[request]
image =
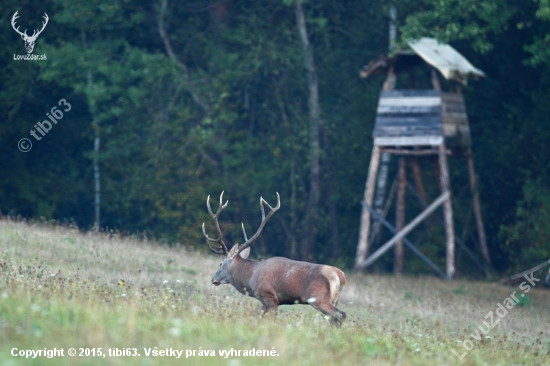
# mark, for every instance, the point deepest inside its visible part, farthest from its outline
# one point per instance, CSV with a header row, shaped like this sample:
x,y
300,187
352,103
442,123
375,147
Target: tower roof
x,y
448,61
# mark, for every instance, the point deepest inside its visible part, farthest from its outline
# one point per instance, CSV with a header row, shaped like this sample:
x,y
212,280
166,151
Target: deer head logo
x,y
29,41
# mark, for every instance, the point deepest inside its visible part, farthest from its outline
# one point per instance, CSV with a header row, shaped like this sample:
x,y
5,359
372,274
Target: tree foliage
x,y
194,98
528,239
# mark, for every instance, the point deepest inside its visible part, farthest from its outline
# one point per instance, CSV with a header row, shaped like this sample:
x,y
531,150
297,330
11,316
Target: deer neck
x,y
241,272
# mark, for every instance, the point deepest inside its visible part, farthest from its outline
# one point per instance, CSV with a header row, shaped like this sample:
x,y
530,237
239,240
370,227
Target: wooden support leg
x,y
447,212
418,179
437,171
477,208
405,240
362,245
417,176
373,235
381,182
390,79
435,80
407,229
457,240
400,214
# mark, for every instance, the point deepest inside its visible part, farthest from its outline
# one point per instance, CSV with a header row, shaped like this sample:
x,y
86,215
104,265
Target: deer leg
x,y
325,307
334,300
338,321
269,304
269,311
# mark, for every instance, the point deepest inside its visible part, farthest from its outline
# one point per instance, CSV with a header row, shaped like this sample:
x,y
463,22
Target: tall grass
x,y
60,288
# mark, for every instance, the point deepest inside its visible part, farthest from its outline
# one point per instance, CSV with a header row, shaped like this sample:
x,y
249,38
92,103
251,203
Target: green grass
x,y
525,301
60,288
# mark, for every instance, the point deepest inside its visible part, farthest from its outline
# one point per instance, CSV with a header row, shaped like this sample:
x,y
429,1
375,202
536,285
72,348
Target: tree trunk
x,y
331,193
314,126
199,99
292,251
97,145
389,84
97,183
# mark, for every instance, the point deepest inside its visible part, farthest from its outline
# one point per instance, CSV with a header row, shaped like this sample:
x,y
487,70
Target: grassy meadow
x,y
62,288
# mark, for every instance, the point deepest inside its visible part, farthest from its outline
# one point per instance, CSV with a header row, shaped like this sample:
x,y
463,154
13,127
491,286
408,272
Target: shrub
x,y
527,240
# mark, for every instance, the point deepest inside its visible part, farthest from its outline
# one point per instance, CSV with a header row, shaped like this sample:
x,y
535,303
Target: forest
x,y
167,102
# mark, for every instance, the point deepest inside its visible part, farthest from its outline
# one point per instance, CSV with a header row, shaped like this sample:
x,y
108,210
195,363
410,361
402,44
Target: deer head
x,y
29,40
218,246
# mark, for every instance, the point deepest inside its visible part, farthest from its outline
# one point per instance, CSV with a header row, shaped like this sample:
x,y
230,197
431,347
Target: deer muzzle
x,y
219,278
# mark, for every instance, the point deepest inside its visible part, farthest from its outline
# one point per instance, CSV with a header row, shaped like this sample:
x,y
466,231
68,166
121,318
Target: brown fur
x,y
281,281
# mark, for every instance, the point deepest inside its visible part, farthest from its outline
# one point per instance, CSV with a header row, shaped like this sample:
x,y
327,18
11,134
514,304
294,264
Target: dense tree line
x,y
175,101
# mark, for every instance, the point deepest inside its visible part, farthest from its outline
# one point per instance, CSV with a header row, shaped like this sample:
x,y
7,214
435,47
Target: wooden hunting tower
x,y
414,123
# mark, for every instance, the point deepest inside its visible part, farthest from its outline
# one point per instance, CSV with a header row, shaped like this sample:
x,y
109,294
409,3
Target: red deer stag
x,y
276,281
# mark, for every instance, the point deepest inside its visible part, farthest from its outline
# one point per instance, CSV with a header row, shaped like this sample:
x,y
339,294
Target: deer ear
x,y
234,251
244,254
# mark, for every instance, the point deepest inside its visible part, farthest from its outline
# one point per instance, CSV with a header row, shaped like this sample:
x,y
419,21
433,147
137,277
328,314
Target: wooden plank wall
x,y
409,113
455,121
421,117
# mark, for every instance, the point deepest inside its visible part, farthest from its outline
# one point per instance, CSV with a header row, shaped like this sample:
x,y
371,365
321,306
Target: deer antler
x,y
264,220
24,34
220,248
15,16
34,36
